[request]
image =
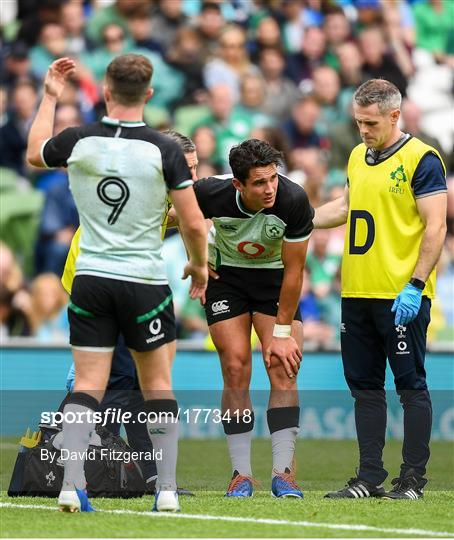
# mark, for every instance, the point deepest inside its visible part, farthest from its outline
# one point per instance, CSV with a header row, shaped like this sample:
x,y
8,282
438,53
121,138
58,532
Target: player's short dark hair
x,y
384,93
128,77
185,142
250,154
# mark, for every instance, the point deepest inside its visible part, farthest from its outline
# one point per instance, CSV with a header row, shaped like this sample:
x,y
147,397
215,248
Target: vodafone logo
x,y
251,249
155,326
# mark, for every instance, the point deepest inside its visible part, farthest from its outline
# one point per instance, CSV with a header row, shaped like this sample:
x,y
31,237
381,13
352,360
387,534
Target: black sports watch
x,y
418,283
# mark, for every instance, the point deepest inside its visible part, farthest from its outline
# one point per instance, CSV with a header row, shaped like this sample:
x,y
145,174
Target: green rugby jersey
x,y
119,175
245,239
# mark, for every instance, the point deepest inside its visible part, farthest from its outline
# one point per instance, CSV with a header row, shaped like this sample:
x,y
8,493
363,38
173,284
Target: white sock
x,y
283,448
76,438
164,437
240,452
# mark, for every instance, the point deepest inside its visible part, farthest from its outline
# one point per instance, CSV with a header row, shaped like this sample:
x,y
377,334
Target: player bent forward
x,y
261,226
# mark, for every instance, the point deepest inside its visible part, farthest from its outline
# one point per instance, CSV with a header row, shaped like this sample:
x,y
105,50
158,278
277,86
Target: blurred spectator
x,y
315,330
139,26
13,296
302,63
324,268
333,102
281,93
337,31
435,27
48,316
208,25
205,142
81,96
342,138
66,115
293,25
115,42
116,13
16,66
13,134
411,123
368,12
397,39
51,45
227,131
59,222
34,14
11,275
398,18
73,22
232,63
186,56
13,321
378,63
350,65
167,86
267,34
312,163
166,22
249,111
300,128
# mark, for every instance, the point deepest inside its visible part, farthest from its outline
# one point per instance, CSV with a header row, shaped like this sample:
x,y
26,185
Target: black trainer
x,y
357,489
408,486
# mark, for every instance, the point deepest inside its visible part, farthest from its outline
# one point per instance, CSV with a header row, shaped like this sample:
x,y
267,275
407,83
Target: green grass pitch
x,y
204,467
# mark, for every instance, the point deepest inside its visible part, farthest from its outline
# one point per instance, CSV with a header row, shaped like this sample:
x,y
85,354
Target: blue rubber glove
x,y
407,304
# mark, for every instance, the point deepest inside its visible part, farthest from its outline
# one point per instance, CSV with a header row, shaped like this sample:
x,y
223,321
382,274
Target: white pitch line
x,y
262,521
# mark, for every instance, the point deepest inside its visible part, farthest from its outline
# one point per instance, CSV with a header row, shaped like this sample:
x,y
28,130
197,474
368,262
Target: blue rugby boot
x,y
240,486
284,485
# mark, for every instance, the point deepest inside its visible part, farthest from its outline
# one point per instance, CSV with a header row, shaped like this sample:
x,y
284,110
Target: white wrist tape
x,y
282,330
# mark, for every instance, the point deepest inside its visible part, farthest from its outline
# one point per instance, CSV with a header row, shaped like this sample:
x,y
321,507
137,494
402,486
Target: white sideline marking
x,y
262,521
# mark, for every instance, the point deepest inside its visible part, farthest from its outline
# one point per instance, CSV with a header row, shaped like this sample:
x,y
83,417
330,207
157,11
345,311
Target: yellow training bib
x,y
384,228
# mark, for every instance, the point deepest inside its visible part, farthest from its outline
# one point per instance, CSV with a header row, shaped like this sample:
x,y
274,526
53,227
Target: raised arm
x,y
332,214
43,124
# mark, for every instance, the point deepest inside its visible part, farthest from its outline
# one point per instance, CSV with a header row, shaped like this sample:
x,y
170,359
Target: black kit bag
x,y
113,478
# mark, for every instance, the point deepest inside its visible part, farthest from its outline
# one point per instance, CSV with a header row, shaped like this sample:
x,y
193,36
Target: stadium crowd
x,y
283,71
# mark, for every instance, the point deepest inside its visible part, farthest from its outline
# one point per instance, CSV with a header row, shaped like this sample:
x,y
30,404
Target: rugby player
x,y
119,172
123,389
395,209
262,222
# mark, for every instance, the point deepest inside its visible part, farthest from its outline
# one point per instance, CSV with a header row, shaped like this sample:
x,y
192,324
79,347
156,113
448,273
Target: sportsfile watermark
x,y
114,415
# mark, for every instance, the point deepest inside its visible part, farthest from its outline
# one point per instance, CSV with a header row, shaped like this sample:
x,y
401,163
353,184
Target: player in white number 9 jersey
x,y
120,172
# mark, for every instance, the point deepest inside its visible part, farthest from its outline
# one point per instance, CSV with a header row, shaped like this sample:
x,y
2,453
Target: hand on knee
x,y
279,379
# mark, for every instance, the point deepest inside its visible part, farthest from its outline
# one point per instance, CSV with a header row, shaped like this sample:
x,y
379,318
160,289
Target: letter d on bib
x,y
356,215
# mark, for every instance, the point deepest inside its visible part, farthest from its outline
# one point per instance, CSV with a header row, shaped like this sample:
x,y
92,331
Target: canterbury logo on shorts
x,y
220,307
